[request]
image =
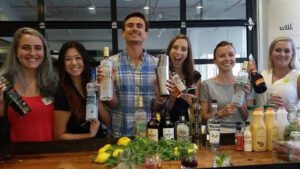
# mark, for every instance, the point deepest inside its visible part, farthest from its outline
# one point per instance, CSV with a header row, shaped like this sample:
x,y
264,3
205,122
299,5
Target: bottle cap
x,y
105,52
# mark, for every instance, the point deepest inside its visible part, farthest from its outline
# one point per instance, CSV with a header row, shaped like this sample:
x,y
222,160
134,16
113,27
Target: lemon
x,y
176,151
117,152
102,157
124,141
195,147
104,148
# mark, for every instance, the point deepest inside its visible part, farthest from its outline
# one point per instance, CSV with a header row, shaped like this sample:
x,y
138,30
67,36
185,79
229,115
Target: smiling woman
x,y
29,69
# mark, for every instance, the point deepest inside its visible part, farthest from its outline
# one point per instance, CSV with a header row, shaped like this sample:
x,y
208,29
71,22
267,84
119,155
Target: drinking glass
x,y
190,162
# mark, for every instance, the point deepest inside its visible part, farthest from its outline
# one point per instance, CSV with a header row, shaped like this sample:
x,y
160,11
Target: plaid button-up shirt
x,y
132,82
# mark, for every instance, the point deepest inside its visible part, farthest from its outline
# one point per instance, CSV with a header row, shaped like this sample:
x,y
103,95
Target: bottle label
x,y
247,142
214,133
238,95
260,138
259,81
168,133
178,82
182,132
153,134
239,142
140,123
91,106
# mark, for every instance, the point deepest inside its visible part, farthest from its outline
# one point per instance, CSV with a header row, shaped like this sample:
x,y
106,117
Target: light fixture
x,y
199,7
92,9
147,7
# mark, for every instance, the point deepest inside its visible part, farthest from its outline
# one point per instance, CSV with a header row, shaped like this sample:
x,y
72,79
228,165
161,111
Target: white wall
x,y
273,18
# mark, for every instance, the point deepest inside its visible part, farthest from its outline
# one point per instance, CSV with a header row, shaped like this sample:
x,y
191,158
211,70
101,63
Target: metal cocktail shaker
x,y
162,74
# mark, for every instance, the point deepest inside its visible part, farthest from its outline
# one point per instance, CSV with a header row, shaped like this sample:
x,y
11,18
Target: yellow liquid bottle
x,y
272,128
259,131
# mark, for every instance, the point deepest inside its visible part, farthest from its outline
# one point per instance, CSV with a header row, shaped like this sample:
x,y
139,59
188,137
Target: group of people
x,y
57,100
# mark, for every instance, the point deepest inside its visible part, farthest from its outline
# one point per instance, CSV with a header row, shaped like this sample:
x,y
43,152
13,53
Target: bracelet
x,y
159,102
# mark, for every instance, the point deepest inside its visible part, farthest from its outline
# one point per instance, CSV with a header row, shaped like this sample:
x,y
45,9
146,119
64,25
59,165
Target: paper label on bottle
x,y
260,140
182,132
259,81
140,123
153,134
214,133
168,133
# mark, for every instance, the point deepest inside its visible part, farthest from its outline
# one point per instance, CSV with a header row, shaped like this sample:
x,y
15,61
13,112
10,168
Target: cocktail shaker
x,y
162,74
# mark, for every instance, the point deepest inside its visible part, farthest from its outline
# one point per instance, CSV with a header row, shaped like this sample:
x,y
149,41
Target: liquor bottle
x,y
92,97
239,137
140,118
182,130
241,80
196,136
13,98
256,79
167,126
214,125
180,86
247,138
106,85
153,128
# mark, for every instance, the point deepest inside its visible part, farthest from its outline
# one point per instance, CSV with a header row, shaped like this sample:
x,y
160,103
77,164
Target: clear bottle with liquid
x,y
214,125
282,121
241,80
140,118
92,97
106,85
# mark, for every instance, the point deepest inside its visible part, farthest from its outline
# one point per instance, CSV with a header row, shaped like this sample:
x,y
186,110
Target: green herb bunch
x,y
140,147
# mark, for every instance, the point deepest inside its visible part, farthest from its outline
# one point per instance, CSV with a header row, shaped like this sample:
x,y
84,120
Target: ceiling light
x,y
92,9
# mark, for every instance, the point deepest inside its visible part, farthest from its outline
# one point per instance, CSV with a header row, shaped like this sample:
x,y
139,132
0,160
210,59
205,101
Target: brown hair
x,y
221,44
188,64
139,15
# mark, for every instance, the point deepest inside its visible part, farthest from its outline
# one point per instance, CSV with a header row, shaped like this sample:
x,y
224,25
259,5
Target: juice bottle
x,y
259,131
272,128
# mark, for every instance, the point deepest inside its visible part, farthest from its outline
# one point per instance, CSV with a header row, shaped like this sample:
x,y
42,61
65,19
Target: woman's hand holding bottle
x,y
94,127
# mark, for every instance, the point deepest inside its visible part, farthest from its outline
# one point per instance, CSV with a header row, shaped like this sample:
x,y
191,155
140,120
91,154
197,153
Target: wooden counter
x,y
82,159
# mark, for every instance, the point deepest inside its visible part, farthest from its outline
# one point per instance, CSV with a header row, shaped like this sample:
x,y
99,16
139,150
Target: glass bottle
x,y
196,136
92,97
167,126
106,85
241,80
153,128
13,98
182,130
214,125
239,137
180,86
256,79
247,138
140,118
